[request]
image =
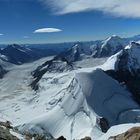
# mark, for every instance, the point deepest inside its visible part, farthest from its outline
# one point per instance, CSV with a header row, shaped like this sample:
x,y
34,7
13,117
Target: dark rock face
x,y
61,138
5,134
103,123
129,59
57,64
2,72
131,81
86,138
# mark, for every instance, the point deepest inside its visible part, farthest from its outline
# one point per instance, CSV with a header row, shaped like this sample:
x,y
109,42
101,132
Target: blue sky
x,y
51,21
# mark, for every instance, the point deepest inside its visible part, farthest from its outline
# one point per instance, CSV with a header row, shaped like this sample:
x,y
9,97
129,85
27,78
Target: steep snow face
x,y
109,47
107,98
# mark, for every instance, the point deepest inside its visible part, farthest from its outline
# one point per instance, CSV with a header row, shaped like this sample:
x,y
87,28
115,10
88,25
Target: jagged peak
x,y
132,45
76,46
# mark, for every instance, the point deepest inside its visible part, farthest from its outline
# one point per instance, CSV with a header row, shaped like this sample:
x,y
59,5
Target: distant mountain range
x,y
19,54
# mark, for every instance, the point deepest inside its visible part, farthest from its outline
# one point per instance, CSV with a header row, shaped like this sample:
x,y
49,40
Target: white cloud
x,y
47,30
1,34
124,8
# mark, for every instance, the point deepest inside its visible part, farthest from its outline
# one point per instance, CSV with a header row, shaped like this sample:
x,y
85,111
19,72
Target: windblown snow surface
x,y
66,104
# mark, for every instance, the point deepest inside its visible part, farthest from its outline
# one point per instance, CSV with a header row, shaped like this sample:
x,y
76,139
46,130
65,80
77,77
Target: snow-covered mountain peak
x,y
110,46
127,59
74,53
113,42
113,38
76,48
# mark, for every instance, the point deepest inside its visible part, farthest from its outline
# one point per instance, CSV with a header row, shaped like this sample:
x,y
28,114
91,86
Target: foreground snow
x,y
66,103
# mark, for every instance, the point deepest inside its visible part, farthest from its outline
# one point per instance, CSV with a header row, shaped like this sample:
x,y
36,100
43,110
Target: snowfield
x,y
67,103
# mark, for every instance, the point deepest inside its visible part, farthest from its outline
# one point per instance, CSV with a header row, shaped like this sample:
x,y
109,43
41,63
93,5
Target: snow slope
x,y
66,109
67,103
59,107
106,97
72,102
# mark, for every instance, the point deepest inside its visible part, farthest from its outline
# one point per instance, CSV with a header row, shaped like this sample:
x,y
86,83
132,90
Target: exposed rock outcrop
x,y
131,134
57,64
86,138
2,71
5,133
61,138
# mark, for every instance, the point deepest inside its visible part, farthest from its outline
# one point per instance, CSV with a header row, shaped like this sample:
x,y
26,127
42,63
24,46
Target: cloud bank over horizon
x,y
119,8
